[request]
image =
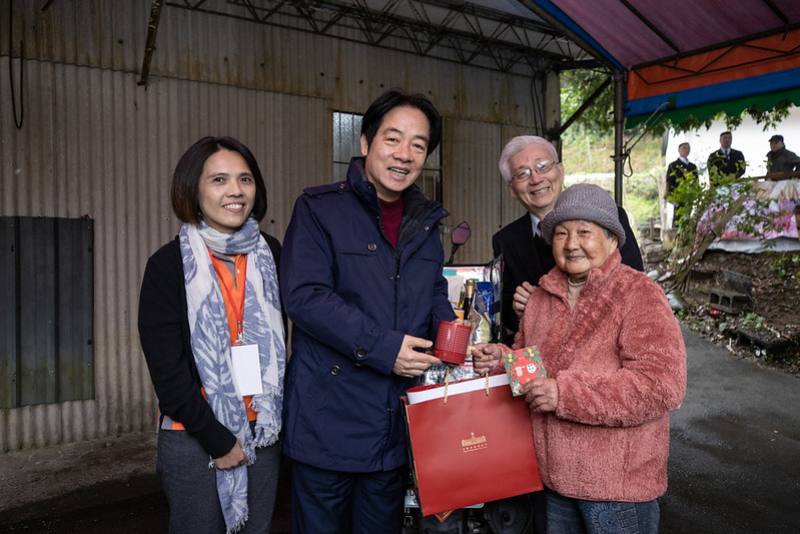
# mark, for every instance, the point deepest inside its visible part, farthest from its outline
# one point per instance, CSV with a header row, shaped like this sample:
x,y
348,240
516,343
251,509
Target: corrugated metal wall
x,y
95,143
110,34
473,189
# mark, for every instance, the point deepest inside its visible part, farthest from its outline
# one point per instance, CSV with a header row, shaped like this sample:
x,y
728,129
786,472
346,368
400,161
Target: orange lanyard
x,y
238,310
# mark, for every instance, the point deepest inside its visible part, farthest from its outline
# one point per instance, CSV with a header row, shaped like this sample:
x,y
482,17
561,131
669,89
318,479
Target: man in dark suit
x,y
726,161
679,170
530,167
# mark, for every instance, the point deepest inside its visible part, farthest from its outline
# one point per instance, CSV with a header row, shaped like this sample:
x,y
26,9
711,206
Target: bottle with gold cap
x,y
469,296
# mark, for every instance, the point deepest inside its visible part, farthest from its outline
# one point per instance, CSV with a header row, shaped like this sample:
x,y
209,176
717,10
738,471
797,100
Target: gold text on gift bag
x,y
474,443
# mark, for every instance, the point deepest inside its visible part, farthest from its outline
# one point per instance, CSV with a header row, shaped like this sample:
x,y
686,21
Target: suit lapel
x,y
524,246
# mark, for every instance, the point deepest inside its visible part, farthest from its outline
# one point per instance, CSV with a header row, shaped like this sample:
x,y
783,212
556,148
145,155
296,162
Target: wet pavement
x,y
134,506
146,512
735,449
734,464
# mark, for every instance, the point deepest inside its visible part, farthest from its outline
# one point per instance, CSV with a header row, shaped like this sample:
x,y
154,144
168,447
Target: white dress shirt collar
x,y
535,224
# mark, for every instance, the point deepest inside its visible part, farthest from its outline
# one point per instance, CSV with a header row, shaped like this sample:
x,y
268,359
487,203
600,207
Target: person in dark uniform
x,y
534,176
779,159
726,161
679,170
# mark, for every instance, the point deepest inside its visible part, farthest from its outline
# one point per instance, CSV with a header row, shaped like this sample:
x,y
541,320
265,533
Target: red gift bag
x,y
471,442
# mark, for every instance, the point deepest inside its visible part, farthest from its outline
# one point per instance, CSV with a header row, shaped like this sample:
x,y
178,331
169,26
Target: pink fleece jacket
x,y
620,363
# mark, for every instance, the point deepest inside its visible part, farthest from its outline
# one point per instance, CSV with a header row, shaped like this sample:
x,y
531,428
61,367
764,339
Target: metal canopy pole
x,y
150,44
619,126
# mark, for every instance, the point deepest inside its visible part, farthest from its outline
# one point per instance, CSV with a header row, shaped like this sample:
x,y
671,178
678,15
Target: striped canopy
x,y
692,58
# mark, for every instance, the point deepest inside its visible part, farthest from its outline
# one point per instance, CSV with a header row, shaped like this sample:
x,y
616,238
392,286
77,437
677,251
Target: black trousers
x,y
335,502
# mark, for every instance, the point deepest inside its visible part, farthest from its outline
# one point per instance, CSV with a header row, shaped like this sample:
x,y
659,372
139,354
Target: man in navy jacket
x,y
362,281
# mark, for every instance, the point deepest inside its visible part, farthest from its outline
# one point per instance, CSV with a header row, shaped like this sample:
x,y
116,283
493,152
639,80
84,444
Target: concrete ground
x,y
38,475
101,486
41,487
735,449
734,464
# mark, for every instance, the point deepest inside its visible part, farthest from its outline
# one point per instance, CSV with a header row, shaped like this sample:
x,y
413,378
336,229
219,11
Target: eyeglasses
x,y
541,167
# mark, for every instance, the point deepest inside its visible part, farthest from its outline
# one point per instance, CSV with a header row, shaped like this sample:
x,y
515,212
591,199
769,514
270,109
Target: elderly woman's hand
x,y
485,357
521,296
541,394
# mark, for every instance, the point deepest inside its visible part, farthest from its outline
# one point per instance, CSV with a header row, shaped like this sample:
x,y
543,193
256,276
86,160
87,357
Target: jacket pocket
x,y
359,271
325,379
367,248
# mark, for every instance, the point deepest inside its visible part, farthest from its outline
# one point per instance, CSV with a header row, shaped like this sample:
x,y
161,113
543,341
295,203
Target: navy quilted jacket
x,y
352,297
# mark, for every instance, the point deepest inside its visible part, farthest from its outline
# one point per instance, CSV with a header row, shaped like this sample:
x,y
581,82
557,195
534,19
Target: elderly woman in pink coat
x,y
616,366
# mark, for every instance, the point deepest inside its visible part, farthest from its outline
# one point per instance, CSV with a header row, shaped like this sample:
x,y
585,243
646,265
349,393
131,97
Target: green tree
x,y
576,86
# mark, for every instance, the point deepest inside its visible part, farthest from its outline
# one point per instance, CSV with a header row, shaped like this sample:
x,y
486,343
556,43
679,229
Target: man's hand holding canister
x,y
411,362
486,357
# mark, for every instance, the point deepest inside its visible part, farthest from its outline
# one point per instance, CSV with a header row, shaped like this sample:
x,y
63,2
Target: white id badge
x,y
247,369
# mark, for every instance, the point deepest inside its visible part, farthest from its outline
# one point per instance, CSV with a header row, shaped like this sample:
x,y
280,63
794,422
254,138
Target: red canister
x,y
452,340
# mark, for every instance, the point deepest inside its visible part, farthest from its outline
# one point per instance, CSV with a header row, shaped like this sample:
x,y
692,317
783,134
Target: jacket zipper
x,y
396,280
396,284
396,275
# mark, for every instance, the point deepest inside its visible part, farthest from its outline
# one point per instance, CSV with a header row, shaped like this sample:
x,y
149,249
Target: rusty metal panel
x,y
472,188
511,209
47,317
8,312
102,33
212,48
74,327
37,311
